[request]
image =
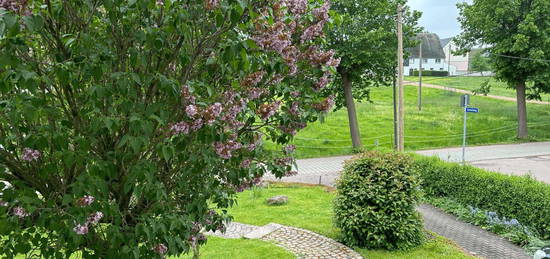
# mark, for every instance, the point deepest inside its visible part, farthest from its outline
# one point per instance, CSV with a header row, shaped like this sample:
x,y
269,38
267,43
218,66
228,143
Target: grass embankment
x,y
311,208
472,83
439,124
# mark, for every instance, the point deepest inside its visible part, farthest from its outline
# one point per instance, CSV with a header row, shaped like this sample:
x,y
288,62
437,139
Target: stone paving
x,y
306,244
475,240
234,230
303,243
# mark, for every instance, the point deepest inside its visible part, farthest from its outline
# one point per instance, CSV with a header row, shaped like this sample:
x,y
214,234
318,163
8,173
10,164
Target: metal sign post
x,y
464,101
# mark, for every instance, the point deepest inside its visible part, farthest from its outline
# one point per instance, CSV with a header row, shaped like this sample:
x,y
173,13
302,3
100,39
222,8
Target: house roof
x,y
431,46
445,41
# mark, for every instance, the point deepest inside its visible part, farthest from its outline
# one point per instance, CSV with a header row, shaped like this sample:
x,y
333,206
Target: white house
x,y
461,63
433,56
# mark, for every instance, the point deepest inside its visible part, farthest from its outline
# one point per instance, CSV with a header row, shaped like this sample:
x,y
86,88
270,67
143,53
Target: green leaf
x,y
34,23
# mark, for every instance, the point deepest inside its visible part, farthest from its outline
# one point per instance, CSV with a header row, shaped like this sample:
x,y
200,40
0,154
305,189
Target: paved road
x,y
518,159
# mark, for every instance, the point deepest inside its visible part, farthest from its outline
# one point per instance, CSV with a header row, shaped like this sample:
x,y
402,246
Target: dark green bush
x,y
430,73
375,202
519,197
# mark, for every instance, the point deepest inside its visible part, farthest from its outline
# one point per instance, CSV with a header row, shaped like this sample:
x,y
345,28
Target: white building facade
x,y
461,63
433,56
432,64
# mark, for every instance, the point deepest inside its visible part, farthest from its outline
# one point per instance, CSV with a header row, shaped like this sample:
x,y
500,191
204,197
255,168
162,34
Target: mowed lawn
x,y
311,208
472,83
439,124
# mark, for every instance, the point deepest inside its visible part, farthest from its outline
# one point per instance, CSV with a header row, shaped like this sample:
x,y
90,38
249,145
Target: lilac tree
x,y
126,127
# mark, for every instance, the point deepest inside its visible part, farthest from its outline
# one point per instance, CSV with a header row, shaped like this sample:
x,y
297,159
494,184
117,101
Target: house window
x,y
441,68
412,61
437,60
425,60
431,68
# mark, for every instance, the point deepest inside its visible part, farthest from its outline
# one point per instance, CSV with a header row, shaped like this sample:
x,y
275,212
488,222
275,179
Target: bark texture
x,y
522,111
352,114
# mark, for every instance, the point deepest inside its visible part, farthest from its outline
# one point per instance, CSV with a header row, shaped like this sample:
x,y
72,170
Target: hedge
x,y
430,73
520,197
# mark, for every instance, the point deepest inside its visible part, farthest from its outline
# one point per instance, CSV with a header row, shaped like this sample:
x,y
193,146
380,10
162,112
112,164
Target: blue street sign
x,y
474,110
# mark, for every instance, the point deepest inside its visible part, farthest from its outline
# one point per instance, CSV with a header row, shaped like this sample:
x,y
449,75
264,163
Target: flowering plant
x,y
123,124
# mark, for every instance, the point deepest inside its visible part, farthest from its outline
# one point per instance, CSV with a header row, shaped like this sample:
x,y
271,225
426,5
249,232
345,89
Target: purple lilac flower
x,y
191,110
323,81
20,212
81,229
180,128
295,93
160,249
267,110
313,31
251,147
297,7
255,93
224,150
290,149
14,5
253,79
31,154
246,163
94,218
321,13
212,113
86,200
187,97
294,109
325,105
197,124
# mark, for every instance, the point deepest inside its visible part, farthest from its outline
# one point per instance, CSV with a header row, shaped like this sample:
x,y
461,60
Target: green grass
x,y
311,208
472,83
439,124
240,249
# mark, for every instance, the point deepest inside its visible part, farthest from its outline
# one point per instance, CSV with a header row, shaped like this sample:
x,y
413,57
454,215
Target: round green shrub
x,y
375,202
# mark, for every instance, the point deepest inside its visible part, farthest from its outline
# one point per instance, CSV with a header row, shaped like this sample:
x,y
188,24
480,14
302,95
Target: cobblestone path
x,y
306,244
303,243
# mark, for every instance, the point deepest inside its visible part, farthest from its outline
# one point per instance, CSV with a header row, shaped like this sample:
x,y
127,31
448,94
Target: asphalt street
x,y
517,159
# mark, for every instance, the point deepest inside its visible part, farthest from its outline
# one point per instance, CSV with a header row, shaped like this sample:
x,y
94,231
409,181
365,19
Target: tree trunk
x,y
522,111
352,114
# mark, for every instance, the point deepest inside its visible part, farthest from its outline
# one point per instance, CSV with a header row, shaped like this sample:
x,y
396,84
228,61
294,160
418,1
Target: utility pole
x,y
449,60
395,111
401,92
465,101
420,80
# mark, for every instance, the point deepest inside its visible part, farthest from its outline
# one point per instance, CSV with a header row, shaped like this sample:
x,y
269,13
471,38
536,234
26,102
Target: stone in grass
x,y
277,200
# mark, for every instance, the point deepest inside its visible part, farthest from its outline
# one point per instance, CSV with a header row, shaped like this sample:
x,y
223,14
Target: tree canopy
x,y
127,127
516,34
365,39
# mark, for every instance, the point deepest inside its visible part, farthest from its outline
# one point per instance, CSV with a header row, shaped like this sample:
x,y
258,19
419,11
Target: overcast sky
x,y
438,16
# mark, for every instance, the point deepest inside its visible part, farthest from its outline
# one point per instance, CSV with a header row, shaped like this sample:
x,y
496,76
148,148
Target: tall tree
x,y
365,39
128,127
517,34
479,63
